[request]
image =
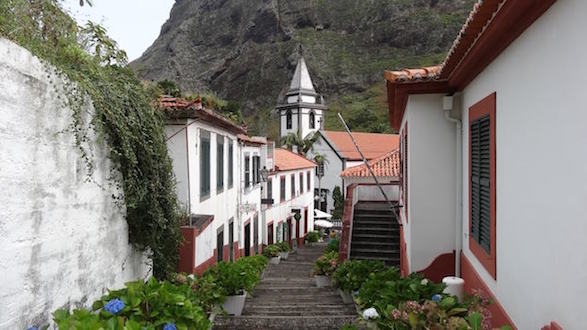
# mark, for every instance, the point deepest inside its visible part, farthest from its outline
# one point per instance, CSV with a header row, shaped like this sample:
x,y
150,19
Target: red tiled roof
x,y
371,144
255,140
491,26
286,160
179,108
387,165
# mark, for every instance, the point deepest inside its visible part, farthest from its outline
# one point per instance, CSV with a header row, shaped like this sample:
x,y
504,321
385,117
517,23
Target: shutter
x,y
480,182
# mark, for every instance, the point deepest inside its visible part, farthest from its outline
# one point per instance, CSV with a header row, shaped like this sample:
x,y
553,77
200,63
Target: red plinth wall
x,y
187,251
347,218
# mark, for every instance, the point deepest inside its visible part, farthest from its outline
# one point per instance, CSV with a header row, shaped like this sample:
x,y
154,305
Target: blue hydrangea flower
x,y
436,298
32,328
114,306
169,326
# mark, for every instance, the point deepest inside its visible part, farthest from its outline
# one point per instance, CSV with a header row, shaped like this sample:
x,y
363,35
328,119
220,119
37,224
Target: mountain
x,y
246,51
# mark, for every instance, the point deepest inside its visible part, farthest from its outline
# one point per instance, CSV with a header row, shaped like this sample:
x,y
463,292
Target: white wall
x,y
281,211
178,152
431,223
252,198
332,169
64,240
541,193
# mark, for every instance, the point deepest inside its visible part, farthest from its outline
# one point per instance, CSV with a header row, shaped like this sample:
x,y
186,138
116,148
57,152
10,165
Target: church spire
x,y
301,80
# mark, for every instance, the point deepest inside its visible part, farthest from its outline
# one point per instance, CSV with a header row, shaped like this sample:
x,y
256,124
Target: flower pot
x,y
274,260
234,305
284,255
347,297
322,280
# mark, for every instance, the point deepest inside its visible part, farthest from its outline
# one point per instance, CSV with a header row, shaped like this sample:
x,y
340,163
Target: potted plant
x,y
283,250
351,274
272,253
235,279
312,237
324,266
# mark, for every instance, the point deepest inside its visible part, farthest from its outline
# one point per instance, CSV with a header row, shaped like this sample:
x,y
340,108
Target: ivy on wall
x,y
124,117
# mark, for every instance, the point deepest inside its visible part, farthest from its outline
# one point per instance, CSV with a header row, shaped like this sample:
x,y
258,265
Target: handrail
x,y
392,207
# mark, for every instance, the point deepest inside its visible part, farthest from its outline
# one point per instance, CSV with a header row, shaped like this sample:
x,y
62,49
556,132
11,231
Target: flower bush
x,y
283,247
351,274
313,236
237,277
271,251
326,264
151,305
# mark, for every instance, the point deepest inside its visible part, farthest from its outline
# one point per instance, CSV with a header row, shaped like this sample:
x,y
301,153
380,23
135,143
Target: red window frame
x,y
404,168
483,108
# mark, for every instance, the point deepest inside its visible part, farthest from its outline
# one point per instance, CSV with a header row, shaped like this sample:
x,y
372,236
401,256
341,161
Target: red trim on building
x,y
187,250
226,253
404,263
344,246
201,268
488,260
236,250
440,267
473,281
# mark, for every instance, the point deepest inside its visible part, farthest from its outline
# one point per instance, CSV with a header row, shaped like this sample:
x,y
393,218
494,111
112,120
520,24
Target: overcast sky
x,y
134,24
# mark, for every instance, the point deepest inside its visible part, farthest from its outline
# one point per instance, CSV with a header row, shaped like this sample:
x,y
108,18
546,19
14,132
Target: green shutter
x,y
480,182
204,165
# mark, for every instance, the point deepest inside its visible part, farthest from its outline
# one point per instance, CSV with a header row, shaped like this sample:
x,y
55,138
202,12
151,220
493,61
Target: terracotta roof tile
x,y
421,74
286,160
387,165
256,140
371,144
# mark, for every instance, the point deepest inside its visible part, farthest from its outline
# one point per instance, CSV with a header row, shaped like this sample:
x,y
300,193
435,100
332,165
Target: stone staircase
x,y
375,233
287,298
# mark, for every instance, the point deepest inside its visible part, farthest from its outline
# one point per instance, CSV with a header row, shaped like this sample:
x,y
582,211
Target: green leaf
x,y
475,320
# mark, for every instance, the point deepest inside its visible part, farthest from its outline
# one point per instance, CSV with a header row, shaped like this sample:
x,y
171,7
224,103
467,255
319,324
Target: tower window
x,y
312,120
288,119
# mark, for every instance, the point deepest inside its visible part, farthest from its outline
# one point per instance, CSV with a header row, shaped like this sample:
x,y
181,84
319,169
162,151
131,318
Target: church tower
x,y
302,110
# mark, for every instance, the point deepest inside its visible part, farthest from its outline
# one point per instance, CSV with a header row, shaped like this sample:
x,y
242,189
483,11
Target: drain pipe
x,y
447,106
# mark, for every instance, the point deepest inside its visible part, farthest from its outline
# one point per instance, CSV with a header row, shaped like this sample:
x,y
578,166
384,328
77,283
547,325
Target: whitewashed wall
x,y
541,117
63,240
332,169
430,230
251,197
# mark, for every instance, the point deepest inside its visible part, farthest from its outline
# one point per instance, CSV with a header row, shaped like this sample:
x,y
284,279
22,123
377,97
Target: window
x,y
247,172
293,185
312,120
220,244
219,163
282,188
269,188
301,183
256,164
288,120
482,182
230,164
308,180
204,164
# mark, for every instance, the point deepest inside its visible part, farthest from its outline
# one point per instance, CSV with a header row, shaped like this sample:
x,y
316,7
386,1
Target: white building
x,y
217,172
494,173
289,190
340,154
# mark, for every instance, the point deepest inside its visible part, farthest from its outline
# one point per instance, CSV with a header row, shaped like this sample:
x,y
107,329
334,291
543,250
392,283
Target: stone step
x,y
298,310
258,322
299,299
291,290
373,223
387,261
374,237
378,245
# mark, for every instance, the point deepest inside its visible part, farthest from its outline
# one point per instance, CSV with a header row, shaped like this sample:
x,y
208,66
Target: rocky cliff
x,y
246,50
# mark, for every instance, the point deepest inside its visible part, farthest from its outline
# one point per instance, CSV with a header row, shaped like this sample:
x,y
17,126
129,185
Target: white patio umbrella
x,y
323,223
321,215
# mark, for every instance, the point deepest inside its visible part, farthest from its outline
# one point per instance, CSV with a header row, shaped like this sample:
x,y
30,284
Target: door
x,y
270,234
248,240
220,245
305,221
231,241
289,231
298,232
256,234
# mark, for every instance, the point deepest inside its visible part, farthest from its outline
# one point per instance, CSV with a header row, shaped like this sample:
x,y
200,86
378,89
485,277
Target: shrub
x,y
254,264
283,247
351,274
233,278
205,288
271,251
332,246
313,236
139,305
326,264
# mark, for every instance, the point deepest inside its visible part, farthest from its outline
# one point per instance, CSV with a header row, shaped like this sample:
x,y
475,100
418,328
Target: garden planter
x,y
322,281
274,260
347,297
234,305
284,255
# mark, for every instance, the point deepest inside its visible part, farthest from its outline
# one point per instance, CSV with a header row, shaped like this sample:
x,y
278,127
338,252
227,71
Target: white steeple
x,y
301,79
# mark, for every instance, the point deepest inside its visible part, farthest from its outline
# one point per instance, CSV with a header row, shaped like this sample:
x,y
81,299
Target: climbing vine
x,y
124,118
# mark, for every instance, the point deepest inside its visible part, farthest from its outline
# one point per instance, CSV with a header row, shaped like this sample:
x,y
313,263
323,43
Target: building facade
x,y
502,123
